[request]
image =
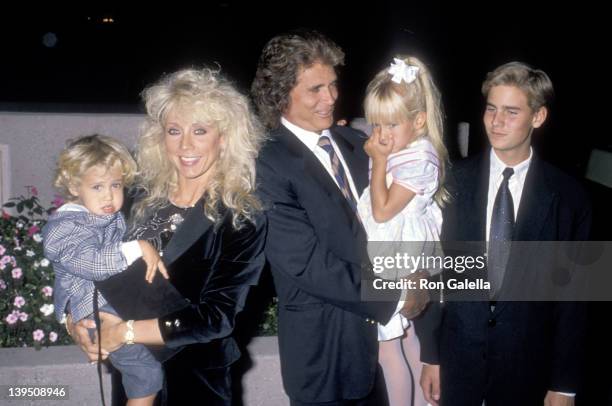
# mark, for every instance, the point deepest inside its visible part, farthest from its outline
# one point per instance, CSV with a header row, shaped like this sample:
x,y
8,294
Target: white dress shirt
x,y
311,140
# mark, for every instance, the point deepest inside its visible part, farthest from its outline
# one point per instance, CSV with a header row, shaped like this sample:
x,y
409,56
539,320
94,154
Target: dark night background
x,y
96,66
102,67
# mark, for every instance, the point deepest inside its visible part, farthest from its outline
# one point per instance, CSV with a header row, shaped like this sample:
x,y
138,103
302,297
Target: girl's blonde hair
x,y
214,101
86,152
389,102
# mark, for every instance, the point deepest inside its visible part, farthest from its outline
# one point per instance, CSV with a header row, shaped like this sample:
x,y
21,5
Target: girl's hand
x,y
378,147
113,331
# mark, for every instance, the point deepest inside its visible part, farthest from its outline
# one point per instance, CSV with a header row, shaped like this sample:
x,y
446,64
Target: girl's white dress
x,y
415,168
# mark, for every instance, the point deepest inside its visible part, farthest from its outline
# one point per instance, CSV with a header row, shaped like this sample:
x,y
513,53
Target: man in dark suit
x,y
496,350
310,175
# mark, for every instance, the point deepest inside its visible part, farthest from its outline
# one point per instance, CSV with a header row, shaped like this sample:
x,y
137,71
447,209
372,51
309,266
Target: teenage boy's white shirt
x,y
130,250
311,140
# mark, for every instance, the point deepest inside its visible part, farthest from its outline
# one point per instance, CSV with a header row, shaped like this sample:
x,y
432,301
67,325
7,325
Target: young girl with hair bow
x,y
402,203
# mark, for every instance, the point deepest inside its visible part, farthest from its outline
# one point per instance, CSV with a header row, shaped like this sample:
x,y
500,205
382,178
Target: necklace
x,y
180,206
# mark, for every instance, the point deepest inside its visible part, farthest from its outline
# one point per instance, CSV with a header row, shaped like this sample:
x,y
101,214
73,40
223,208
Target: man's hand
x,y
80,336
557,399
416,299
153,261
430,383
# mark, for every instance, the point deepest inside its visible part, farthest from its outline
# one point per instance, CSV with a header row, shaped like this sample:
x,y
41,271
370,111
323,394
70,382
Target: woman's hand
x,y
80,335
113,331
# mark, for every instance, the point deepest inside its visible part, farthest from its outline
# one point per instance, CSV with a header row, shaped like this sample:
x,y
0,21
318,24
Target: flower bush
x,y
269,324
26,277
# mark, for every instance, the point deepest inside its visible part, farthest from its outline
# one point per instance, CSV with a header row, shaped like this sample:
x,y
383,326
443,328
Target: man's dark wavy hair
x,y
279,65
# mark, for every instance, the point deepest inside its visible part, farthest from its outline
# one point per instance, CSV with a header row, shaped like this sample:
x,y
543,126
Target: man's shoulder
x,y
352,135
467,166
272,149
566,185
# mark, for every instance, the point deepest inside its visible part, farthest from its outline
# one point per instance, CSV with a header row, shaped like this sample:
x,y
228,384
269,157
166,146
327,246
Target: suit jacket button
x,y
492,322
168,323
177,323
368,320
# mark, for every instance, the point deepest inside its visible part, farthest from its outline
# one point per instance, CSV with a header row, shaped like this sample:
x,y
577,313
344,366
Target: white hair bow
x,y
401,71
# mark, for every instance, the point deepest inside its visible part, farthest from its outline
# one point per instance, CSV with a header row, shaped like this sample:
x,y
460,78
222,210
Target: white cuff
x,y
571,395
131,251
401,302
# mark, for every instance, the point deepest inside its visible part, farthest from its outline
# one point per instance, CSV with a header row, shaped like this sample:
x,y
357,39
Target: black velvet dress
x,y
213,266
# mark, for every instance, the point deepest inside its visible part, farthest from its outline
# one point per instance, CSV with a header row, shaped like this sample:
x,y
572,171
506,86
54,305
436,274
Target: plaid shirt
x,y
83,248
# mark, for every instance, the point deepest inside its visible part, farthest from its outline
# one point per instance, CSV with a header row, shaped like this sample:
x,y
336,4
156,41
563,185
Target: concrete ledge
x,y
66,365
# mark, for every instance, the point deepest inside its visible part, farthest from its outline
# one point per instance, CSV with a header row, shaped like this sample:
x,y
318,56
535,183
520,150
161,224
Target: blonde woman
x,y
196,157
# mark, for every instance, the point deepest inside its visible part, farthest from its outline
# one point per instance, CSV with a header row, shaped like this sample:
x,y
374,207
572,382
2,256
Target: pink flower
x,y
5,259
53,336
38,335
33,230
19,301
5,215
57,201
47,291
23,316
17,273
32,190
2,249
11,318
2,284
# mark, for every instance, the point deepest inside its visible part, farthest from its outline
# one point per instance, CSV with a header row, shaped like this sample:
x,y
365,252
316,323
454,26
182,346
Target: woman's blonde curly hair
x,y
214,101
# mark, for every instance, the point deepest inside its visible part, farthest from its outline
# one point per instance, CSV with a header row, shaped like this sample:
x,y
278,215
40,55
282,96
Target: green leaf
x,y
9,204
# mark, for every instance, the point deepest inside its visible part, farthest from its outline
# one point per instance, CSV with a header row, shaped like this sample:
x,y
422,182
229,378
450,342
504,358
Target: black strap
x,y
99,330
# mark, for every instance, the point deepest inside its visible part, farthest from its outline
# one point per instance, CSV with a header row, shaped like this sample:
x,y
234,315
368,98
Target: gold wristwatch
x,y
129,333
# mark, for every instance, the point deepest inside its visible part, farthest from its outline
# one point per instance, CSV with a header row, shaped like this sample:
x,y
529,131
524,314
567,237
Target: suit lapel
x,y
360,177
312,166
535,202
190,230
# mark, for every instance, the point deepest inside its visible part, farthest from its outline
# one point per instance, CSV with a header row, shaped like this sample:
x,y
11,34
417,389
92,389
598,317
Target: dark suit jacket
x,y
516,353
316,247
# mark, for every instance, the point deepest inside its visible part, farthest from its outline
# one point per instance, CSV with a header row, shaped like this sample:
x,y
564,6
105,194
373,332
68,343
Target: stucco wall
x,y
35,140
